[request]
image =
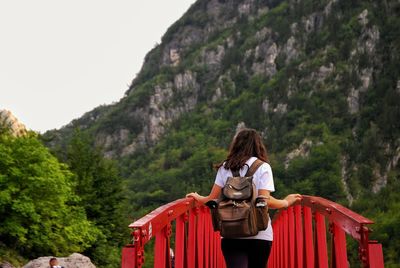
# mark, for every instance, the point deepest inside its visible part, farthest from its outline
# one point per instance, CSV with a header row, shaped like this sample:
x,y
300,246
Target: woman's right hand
x,y
194,195
215,193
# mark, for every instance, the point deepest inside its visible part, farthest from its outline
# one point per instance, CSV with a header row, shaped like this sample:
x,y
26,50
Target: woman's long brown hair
x,y
245,144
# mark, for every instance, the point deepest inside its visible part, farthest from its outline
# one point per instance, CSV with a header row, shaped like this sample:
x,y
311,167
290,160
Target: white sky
x,y
62,58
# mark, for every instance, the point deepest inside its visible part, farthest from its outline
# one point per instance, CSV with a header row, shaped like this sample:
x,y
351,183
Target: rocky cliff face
x,y
304,52
166,99
10,122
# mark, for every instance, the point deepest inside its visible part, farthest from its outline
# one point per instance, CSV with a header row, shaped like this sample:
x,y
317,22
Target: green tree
x,y
100,188
39,214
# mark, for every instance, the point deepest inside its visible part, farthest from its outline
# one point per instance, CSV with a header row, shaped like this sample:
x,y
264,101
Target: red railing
x,y
300,237
196,244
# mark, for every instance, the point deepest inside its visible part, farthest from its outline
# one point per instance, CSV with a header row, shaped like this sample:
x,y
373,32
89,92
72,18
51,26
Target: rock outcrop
x,y
75,260
9,121
6,265
302,151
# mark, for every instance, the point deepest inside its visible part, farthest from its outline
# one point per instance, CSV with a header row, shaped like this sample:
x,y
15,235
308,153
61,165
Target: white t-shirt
x,y
262,179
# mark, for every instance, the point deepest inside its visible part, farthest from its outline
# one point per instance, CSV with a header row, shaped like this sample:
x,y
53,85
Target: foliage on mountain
x,y
318,79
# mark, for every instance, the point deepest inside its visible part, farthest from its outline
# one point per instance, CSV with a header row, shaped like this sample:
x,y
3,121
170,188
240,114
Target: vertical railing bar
x,y
207,244
308,238
282,242
200,238
277,248
168,232
212,247
271,259
128,257
160,249
320,238
180,242
339,252
299,236
375,255
191,252
285,249
277,236
291,237
216,252
363,246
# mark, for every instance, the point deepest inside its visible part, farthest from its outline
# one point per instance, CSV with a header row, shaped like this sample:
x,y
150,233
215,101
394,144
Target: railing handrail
x,y
351,222
322,204
159,218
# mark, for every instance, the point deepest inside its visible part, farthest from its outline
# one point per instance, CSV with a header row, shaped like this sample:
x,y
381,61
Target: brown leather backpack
x,y
238,212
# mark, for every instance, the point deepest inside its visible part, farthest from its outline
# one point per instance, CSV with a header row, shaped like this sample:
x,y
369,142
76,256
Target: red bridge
x,y
300,237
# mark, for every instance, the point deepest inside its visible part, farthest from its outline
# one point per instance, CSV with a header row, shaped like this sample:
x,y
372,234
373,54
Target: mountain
x,y
10,122
319,79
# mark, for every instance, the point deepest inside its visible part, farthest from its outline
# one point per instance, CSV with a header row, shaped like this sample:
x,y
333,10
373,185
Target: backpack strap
x,y
256,164
236,173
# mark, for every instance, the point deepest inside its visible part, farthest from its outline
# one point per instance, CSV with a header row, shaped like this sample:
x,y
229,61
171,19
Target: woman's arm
x,y
272,202
279,203
214,194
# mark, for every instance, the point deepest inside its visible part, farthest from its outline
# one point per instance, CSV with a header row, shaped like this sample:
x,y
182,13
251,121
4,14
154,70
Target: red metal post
x,y
207,241
320,238
200,238
285,231
191,252
278,238
308,238
291,235
215,245
162,256
339,256
375,255
272,257
363,246
212,247
282,253
128,257
279,249
180,241
299,237
272,261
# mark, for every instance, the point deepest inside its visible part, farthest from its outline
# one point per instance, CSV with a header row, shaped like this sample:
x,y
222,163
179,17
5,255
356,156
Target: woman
x,y
245,148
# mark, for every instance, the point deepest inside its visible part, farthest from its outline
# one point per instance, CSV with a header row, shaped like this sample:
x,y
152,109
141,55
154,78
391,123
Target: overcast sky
x,y
62,58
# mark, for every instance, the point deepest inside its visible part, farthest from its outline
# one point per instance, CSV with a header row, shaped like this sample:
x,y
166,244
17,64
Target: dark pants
x,y
246,253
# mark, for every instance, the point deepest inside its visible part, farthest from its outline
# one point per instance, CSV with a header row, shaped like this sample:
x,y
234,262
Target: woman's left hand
x,y
293,198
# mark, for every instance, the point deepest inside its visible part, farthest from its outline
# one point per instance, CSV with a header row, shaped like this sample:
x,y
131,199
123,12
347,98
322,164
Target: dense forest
x,y
54,208
320,80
